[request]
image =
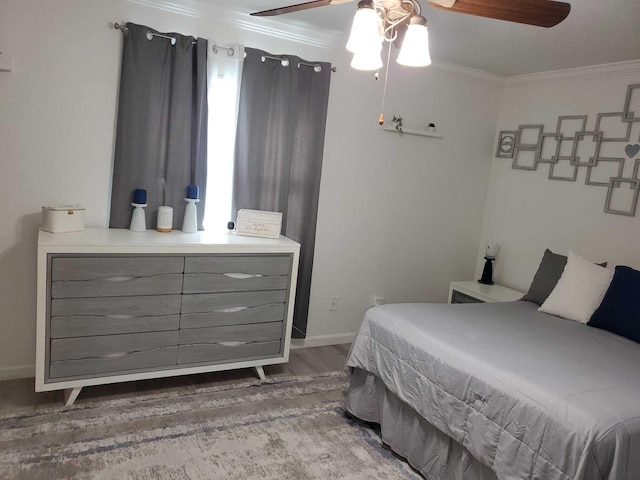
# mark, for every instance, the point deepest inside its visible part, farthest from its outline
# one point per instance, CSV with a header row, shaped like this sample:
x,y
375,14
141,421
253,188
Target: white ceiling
x,y
595,32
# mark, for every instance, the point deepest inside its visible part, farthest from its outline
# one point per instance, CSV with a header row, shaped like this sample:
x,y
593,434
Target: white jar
x,y
165,219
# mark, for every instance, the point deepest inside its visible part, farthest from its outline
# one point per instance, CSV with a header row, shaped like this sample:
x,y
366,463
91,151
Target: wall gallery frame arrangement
x,y
610,151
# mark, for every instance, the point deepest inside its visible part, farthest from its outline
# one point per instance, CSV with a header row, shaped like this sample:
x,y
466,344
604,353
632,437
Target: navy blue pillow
x,y
619,311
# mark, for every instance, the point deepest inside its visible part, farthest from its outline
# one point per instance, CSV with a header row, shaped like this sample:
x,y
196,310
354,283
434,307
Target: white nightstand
x,y
474,292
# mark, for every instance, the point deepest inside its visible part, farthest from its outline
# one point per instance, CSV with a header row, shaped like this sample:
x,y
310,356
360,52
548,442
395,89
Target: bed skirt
x,y
434,454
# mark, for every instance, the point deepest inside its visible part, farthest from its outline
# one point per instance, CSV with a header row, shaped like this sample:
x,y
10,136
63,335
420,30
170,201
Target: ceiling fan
x,y
542,13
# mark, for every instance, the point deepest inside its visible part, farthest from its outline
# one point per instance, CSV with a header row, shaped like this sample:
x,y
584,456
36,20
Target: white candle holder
x,y
190,222
138,220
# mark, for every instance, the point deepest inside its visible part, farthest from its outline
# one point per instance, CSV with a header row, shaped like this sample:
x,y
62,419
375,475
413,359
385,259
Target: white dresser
x,y
115,305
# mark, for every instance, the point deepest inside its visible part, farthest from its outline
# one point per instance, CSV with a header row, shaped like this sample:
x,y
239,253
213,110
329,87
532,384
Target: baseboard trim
x,y
322,340
14,373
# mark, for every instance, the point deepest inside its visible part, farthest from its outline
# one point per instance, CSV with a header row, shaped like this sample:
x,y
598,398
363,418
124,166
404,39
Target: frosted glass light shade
x,y
415,47
364,29
493,248
368,58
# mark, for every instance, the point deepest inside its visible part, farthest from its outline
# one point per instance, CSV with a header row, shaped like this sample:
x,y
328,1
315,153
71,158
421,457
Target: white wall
x,y
528,212
399,216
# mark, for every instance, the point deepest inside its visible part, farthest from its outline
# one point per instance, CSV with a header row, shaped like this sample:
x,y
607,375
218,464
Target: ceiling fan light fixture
x,y
368,58
415,46
365,28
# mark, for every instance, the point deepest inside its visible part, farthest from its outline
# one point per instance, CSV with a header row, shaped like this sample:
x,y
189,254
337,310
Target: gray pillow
x,y
547,276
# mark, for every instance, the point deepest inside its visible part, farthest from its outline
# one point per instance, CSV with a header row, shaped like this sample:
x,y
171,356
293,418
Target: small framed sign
x,y
506,143
259,223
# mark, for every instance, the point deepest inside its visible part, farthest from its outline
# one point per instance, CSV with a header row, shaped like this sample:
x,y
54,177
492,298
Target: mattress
x,y
528,394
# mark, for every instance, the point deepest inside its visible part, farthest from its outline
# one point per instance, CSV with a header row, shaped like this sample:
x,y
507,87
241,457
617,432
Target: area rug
x,y
286,428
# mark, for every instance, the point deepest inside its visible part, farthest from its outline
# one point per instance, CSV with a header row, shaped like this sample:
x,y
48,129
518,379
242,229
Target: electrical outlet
x,y
377,301
333,304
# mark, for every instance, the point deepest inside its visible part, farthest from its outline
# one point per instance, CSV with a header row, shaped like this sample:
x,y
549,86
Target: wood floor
x,y
20,396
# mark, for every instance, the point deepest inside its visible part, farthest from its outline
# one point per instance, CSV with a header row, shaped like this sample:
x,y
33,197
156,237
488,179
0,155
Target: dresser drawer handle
x,y
235,343
231,309
119,316
120,278
240,276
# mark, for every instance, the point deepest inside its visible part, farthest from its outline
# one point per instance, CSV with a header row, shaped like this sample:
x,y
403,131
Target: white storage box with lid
x,y
63,218
259,223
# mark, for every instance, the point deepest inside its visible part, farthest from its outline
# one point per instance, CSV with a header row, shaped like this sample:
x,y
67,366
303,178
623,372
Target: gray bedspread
x,y
528,394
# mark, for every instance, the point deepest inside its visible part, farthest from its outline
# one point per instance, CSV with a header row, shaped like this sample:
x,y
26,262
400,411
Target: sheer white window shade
x,y
224,64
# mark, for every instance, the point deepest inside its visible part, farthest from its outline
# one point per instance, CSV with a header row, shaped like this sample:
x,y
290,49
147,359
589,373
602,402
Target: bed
x,y
498,390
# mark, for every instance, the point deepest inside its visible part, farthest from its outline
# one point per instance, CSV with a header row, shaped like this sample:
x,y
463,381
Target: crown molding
x,y
572,74
241,20
182,8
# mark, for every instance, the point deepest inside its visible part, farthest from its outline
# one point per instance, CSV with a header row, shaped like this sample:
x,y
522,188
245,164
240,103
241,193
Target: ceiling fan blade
x,y
542,13
297,7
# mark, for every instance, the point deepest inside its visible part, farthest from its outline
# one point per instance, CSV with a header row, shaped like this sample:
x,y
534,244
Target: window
x,y
223,80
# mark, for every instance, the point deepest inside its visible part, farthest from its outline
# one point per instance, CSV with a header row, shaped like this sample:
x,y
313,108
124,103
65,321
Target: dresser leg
x,y
70,395
260,372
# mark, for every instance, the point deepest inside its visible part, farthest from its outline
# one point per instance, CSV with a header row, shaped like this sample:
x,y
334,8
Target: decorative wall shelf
x,y
6,65
412,131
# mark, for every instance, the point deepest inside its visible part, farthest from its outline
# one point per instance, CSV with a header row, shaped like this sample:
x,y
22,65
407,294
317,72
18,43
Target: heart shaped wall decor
x,y
632,150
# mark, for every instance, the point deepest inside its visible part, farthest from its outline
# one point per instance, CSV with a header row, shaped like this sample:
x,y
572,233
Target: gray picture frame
x,y
536,157
620,162
567,138
575,160
572,178
627,115
616,182
564,118
553,158
522,128
501,151
527,147
599,118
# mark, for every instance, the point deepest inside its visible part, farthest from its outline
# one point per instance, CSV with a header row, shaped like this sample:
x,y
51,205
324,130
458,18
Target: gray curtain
x,y
279,145
161,139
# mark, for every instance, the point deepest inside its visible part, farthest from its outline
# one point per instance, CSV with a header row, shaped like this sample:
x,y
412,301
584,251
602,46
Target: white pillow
x,y
579,291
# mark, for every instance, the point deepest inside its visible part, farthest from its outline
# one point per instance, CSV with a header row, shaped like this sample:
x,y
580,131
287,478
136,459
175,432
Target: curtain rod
x,y
150,34
284,61
230,51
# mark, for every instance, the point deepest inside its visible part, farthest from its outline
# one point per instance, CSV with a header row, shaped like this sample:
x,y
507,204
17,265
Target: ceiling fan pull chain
x,y
384,92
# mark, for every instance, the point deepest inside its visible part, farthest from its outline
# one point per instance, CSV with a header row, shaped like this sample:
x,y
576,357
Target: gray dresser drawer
x,y
212,354
109,345
115,276
81,317
259,332
252,264
152,359
112,353
225,273
227,343
235,308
